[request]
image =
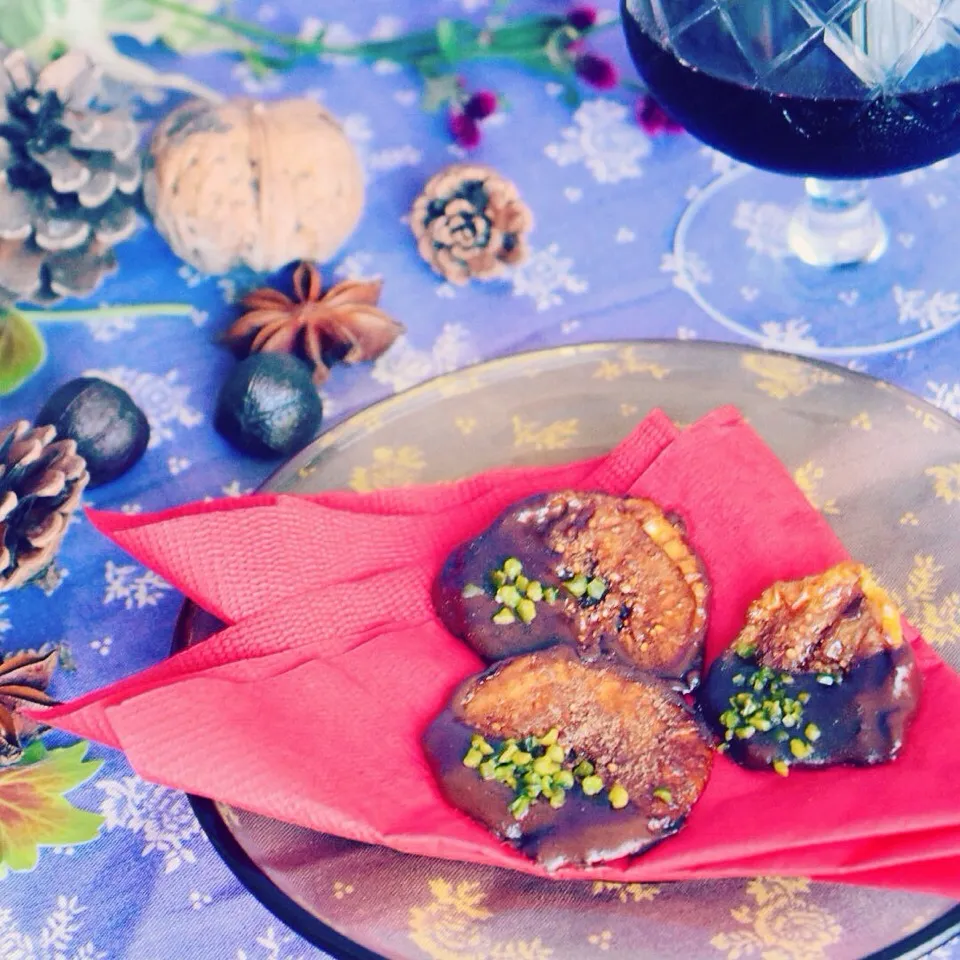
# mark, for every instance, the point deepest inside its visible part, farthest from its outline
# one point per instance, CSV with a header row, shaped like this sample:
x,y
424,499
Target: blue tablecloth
x,y
606,199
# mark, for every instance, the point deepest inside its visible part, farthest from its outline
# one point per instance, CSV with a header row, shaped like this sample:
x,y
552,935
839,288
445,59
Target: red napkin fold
x,y
309,707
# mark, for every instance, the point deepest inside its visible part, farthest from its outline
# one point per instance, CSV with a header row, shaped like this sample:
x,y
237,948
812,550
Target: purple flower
x,y
481,105
464,130
582,17
596,70
653,118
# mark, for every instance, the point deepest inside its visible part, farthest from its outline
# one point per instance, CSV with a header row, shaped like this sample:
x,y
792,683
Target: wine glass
x,y
836,92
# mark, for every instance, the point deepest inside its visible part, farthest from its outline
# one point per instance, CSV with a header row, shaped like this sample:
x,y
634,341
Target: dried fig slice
x,y
572,762
605,574
820,674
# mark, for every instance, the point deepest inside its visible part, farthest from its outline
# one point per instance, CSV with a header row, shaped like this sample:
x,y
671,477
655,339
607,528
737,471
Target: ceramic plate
x,y
883,466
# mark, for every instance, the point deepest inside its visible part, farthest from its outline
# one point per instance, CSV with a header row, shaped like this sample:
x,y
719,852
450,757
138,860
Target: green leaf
x,y
22,350
447,39
33,811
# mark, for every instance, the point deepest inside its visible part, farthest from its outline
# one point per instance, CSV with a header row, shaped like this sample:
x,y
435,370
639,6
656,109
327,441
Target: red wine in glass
x,y
824,89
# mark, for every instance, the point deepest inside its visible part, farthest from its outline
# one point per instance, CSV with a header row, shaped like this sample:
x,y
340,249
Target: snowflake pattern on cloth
x,y
56,939
160,816
545,277
605,139
132,586
404,365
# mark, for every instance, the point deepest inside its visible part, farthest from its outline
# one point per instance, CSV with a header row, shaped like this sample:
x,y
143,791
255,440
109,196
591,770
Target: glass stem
x,y
837,225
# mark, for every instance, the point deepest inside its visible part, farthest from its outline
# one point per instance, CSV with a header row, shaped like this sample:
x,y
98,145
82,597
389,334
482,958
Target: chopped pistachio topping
x,y
517,594
536,768
479,743
618,796
745,650
597,588
556,753
782,767
799,748
508,595
577,585
812,732
591,785
550,737
827,679
662,793
526,610
471,590
764,706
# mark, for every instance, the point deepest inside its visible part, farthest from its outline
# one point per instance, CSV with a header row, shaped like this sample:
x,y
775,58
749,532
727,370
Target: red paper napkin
x,y
310,706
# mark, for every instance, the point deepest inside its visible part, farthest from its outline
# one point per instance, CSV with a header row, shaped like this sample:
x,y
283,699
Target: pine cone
x,y
470,222
41,480
24,678
69,177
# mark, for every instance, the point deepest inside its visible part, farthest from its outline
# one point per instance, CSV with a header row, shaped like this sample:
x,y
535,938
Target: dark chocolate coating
x,y
584,830
522,533
862,719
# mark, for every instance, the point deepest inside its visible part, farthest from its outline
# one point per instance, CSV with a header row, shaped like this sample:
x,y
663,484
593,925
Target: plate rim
x,y
253,878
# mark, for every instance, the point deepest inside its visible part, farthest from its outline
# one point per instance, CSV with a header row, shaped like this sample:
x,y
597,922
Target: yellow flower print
x,y
782,924
391,467
554,436
451,927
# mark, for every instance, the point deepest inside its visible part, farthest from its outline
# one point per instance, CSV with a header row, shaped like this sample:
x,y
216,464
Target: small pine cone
x,y
470,222
41,481
70,174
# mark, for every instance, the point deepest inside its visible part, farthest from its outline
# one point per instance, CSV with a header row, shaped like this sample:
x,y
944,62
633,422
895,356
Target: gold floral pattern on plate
x,y
391,467
451,927
629,361
781,377
946,481
808,478
926,417
600,940
936,617
554,436
862,421
466,425
624,892
782,923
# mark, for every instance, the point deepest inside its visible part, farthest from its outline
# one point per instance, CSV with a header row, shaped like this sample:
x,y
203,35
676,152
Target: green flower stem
x,y
105,313
451,40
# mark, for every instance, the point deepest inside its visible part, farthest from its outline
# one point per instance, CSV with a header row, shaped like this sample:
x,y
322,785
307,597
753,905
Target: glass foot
x,y
843,275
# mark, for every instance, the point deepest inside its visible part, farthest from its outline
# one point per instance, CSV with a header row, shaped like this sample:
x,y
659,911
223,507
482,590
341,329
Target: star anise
x,y
23,681
343,323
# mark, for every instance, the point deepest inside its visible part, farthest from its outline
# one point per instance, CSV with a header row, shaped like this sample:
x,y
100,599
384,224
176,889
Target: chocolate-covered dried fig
x,y
607,575
820,674
571,762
